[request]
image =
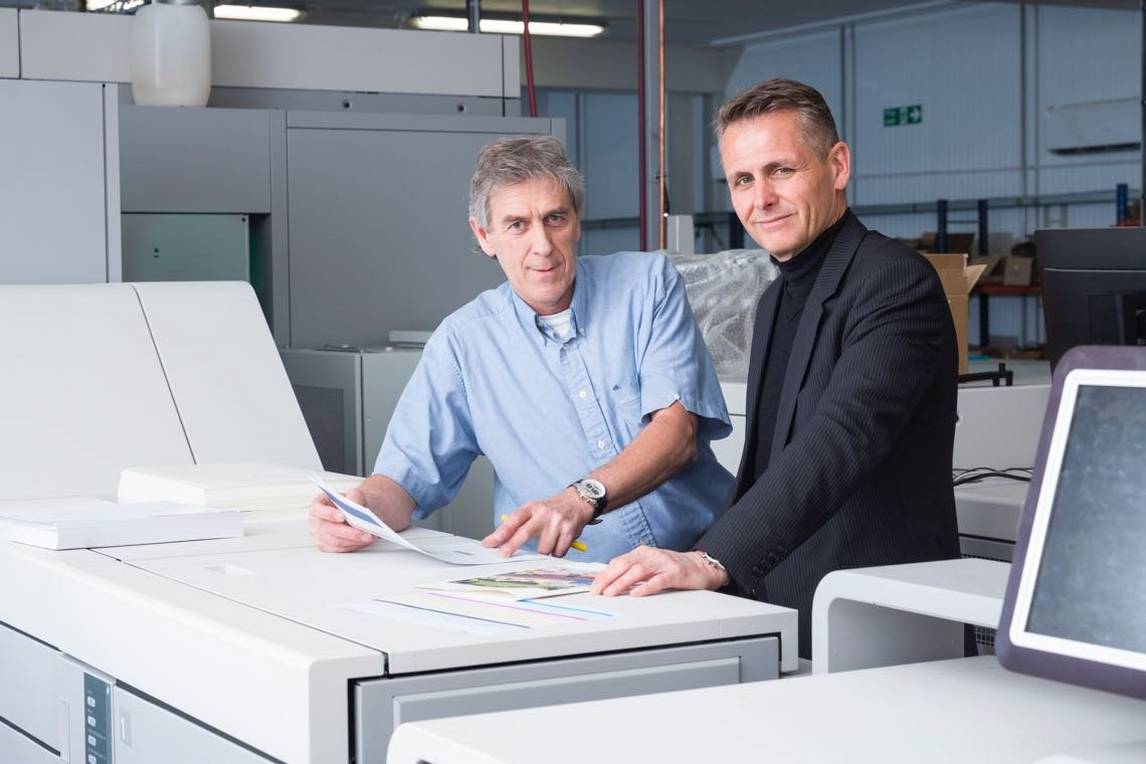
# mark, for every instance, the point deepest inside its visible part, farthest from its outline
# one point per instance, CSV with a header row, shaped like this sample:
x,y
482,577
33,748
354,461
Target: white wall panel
x,y
963,67
810,58
9,43
1096,176
1086,55
895,188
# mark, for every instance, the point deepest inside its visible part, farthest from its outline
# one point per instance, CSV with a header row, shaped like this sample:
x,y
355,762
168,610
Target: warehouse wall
x,y
989,77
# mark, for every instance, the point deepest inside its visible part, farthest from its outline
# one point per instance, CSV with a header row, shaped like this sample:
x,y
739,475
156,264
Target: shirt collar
x,y
578,317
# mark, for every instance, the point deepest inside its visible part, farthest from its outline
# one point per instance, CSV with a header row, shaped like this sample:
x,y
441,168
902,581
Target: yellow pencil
x,y
580,546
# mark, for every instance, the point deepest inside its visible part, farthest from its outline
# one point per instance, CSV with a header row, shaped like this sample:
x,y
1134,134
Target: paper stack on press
x,y
85,523
246,486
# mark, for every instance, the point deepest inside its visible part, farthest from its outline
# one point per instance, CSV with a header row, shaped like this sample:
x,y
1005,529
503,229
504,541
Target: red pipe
x,y
530,88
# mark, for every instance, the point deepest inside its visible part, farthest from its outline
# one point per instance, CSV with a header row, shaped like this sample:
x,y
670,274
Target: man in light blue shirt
x,y
585,382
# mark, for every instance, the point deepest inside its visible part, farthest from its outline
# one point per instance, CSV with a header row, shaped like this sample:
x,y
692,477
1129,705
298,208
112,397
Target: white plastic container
x,y
171,54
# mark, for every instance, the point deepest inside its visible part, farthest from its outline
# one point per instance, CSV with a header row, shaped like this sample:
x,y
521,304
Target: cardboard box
x,y
1019,271
958,280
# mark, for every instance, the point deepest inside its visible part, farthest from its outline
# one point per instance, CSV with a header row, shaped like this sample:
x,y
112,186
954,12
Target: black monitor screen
x,y
1091,584
1094,287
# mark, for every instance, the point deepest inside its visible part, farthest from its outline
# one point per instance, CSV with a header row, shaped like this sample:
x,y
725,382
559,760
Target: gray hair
x,y
509,161
819,127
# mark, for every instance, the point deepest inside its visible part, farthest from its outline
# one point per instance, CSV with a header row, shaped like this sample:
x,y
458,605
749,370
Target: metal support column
x,y
473,14
651,90
941,226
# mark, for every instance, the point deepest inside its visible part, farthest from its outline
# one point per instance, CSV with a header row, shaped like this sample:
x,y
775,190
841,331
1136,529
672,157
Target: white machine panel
x,y
306,586
969,709
84,406
999,426
225,374
272,684
729,450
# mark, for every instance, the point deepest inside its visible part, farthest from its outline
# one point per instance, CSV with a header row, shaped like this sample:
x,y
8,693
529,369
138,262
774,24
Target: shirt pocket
x,y
625,393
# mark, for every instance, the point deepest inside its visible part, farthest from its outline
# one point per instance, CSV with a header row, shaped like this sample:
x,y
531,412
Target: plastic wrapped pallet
x,y
723,289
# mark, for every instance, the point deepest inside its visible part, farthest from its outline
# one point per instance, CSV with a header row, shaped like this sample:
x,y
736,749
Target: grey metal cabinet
x,y
54,185
377,223
195,160
382,704
348,398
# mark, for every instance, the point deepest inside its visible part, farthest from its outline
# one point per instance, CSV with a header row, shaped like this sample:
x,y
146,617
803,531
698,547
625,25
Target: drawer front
x,y
145,733
15,747
29,698
380,705
572,689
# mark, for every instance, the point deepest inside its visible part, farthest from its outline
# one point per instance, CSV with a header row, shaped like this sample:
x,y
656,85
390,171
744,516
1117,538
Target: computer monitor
x,y
1094,287
1075,607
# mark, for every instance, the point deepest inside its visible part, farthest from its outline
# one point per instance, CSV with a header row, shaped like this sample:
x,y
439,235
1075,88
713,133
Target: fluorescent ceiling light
x,y
509,26
256,13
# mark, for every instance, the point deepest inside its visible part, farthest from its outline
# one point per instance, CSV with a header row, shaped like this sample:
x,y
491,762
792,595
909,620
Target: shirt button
x,y
583,394
600,445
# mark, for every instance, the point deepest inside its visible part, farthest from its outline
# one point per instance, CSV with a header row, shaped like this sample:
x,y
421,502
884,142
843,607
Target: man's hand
x,y
556,522
648,570
329,529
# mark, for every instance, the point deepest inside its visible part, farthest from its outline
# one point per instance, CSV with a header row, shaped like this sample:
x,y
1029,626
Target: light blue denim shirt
x,y
495,380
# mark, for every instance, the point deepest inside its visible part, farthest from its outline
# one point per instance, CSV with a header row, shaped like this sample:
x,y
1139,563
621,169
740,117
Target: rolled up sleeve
x,y
675,364
430,444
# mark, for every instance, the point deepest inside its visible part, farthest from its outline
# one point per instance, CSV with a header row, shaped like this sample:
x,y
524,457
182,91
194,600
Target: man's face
x,y
784,193
533,232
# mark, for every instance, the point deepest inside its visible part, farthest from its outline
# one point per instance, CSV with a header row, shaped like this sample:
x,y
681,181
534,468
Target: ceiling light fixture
x,y
256,13
509,26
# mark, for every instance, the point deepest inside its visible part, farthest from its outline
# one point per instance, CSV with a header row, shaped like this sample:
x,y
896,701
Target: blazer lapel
x,y
828,280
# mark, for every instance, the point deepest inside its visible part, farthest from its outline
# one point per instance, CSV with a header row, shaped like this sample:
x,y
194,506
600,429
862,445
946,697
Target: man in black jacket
x,y
851,384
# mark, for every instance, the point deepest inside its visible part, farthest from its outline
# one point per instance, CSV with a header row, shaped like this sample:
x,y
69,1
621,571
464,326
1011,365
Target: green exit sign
x,y
903,115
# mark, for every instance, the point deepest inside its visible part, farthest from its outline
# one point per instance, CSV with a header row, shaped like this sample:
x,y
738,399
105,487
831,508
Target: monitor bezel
x,y
1044,511
1018,649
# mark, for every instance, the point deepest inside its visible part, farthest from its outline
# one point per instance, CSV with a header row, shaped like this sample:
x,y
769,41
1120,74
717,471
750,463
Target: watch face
x,y
594,489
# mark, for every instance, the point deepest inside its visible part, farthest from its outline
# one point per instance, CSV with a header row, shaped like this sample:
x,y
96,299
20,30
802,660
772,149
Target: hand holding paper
x,y
330,529
454,550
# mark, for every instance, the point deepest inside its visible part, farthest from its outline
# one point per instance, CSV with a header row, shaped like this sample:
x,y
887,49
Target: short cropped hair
x,y
509,161
819,127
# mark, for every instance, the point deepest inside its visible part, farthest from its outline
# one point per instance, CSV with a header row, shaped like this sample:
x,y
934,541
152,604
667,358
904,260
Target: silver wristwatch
x,y
593,492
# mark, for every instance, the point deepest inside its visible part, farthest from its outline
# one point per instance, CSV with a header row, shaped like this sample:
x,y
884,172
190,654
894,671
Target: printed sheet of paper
x,y
455,550
532,583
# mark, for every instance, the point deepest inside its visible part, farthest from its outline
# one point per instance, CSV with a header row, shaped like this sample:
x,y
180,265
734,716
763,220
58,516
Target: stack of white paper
x,y
84,523
246,486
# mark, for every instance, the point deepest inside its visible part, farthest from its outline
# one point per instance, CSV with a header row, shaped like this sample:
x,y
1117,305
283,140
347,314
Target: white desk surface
x,y
959,711
903,613
303,585
264,657
276,685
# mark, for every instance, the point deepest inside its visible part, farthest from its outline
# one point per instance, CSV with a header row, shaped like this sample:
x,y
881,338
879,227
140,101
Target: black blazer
x,y
860,467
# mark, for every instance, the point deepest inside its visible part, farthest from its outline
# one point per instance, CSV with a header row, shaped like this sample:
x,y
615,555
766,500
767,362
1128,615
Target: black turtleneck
x,y
797,276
